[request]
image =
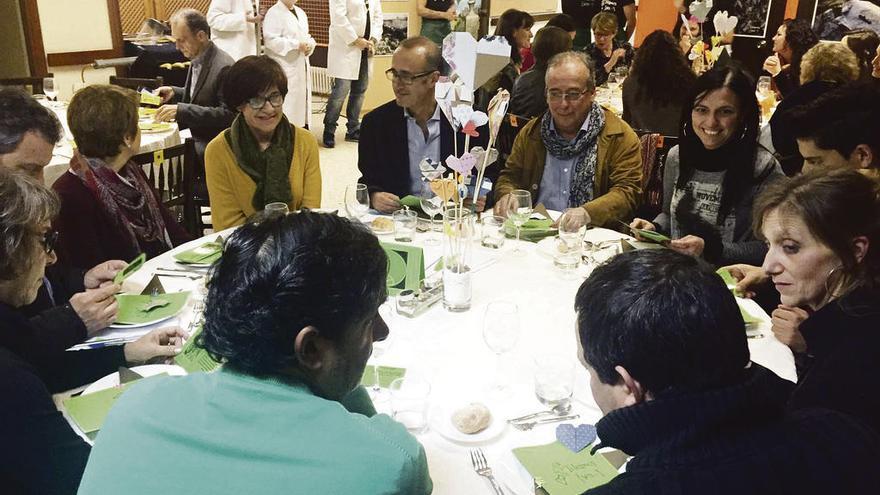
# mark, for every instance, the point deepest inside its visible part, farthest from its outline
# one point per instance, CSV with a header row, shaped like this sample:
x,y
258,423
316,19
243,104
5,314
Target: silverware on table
x,y
531,424
558,410
482,468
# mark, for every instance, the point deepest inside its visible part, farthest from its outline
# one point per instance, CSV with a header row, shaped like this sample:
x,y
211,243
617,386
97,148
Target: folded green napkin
x,y
207,253
533,230
136,308
413,202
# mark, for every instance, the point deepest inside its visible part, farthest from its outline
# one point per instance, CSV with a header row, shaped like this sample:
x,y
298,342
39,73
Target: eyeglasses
x,y
406,79
555,96
275,99
49,240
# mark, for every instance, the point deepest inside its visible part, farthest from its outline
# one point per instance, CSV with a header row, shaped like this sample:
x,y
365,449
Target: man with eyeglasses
x,y
578,155
398,135
199,104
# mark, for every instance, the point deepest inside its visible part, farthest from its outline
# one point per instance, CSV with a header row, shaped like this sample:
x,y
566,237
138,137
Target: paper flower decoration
x,y
724,24
462,165
700,9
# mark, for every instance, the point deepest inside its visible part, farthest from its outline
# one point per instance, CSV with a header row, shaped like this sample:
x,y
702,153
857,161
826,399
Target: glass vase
x,y
458,234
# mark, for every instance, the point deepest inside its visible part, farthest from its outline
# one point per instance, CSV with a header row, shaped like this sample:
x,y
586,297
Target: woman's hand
x,y
641,224
749,278
786,322
689,244
162,342
102,274
772,65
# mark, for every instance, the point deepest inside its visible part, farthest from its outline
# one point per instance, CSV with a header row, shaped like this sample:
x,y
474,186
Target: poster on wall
x,y
753,17
395,29
833,18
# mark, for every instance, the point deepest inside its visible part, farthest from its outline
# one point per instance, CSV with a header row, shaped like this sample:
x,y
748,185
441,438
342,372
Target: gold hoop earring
x,y
828,291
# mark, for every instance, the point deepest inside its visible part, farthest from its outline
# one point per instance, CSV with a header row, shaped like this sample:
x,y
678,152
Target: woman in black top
x,y
792,40
607,52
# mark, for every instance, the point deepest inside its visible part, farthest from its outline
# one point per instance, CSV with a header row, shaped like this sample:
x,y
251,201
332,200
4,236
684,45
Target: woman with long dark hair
x,y
653,94
516,27
792,40
712,177
864,44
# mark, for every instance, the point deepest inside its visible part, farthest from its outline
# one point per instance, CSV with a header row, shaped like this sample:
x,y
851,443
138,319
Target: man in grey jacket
x,y
199,104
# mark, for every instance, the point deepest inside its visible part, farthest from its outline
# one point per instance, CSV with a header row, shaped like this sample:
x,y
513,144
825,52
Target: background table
x,y
448,350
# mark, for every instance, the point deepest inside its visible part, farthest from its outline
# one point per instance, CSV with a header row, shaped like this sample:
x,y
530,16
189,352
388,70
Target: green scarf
x,y
269,168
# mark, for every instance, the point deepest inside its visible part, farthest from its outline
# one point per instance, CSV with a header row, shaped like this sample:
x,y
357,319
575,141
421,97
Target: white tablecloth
x,y
448,349
64,150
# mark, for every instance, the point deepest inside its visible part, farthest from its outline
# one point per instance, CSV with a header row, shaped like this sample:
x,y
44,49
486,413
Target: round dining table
x,y
447,350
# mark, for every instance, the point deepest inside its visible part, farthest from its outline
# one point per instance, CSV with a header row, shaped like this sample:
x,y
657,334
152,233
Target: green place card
x,y
132,267
135,309
747,317
193,358
207,253
560,471
406,267
725,275
387,374
90,411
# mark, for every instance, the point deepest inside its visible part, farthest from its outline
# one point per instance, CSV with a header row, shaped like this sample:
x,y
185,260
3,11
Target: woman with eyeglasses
x,y
109,210
262,158
41,453
712,176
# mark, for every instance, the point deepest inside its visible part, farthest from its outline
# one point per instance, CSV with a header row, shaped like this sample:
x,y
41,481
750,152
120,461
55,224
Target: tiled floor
x,y
338,165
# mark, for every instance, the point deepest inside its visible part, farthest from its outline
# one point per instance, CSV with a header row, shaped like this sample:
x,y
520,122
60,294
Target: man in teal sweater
x,y
292,314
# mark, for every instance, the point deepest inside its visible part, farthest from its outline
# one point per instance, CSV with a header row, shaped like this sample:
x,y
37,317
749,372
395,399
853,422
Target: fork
x,y
531,424
482,468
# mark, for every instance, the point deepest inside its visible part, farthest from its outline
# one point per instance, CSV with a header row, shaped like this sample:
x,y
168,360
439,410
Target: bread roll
x,y
473,418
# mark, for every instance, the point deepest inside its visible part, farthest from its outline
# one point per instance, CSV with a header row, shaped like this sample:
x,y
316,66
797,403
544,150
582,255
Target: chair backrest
x,y
137,83
654,147
35,84
172,175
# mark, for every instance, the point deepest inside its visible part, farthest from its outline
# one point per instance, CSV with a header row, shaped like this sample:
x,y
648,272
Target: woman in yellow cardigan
x,y
262,158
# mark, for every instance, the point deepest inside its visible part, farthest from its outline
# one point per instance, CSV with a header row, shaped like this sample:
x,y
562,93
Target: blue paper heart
x,y
575,438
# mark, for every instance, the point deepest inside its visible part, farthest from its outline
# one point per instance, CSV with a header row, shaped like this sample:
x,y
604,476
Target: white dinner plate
x,y
441,422
112,380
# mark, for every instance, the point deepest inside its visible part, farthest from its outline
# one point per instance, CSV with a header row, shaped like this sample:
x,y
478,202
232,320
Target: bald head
x,y
426,49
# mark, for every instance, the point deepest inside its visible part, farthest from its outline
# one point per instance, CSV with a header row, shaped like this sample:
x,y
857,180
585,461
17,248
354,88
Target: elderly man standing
x,y
578,154
233,23
292,313
199,104
355,28
401,133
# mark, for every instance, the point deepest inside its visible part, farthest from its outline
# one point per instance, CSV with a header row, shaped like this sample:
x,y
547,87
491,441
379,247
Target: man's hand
x,y
502,205
689,244
97,308
641,224
166,113
166,93
362,43
749,278
254,17
385,202
451,14
481,203
102,274
786,322
162,342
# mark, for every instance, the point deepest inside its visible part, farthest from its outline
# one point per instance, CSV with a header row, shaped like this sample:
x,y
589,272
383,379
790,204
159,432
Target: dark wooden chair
x,y
35,84
655,147
137,83
172,172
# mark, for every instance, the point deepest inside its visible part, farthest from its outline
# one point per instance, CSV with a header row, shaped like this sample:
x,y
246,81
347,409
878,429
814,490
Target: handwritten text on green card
x,y
193,358
562,472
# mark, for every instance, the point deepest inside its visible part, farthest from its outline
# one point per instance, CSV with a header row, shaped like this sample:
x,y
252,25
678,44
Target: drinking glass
x,y
276,208
410,398
357,201
432,205
492,232
49,88
404,225
380,348
519,209
500,332
613,81
571,228
554,380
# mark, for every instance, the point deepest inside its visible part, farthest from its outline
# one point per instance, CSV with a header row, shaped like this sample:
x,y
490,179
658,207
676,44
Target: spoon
x,y
557,410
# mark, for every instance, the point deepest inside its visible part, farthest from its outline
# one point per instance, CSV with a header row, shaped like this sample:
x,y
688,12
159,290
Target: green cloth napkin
x,y
533,230
135,308
387,374
560,471
412,202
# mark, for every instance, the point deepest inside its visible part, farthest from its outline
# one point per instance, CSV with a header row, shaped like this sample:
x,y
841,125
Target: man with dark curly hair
x,y
291,312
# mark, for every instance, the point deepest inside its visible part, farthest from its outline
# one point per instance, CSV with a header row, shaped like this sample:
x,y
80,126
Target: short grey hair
x,y
195,21
577,58
24,205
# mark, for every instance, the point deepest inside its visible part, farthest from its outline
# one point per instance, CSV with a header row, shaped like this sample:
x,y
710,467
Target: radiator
x,y
322,83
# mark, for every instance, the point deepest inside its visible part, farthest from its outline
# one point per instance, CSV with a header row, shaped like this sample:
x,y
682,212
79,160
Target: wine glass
x,y
357,201
380,348
613,81
49,88
500,332
432,205
519,209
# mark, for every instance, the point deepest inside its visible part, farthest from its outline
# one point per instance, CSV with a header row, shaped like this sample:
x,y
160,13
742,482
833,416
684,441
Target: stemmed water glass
x,y
432,205
380,348
519,209
357,201
49,89
500,332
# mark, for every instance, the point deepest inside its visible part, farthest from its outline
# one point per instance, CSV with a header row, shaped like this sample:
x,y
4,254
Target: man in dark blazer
x,y
398,135
200,104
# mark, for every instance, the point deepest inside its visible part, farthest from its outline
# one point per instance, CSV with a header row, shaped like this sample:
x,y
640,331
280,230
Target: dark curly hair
x,y
662,70
799,36
281,274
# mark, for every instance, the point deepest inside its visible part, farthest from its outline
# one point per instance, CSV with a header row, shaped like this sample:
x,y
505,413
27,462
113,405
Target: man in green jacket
x,y
291,312
578,154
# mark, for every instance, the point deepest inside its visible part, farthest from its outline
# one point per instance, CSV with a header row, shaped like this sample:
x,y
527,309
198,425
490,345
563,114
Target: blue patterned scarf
x,y
585,147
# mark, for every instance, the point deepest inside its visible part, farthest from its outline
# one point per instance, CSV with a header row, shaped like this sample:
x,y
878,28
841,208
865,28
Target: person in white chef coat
x,y
287,40
355,28
232,26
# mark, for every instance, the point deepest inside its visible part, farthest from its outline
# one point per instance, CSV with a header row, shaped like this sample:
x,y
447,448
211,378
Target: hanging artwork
x,y
395,29
753,17
833,18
